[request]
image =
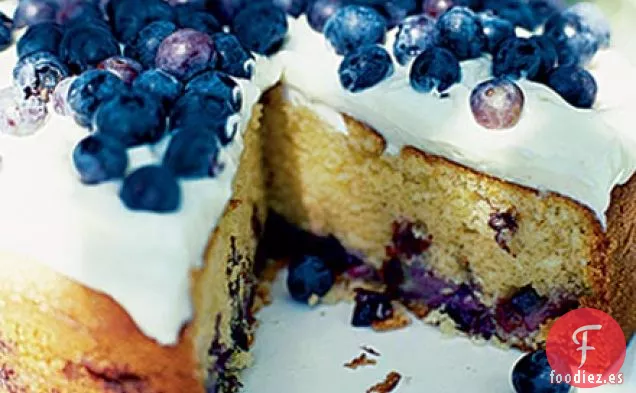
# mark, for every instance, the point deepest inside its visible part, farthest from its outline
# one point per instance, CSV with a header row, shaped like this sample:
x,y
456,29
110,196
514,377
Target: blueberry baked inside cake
x,y
472,161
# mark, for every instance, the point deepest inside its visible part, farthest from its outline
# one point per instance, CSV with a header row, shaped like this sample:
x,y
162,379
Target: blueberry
x,y
496,30
125,68
353,26
71,11
371,307
318,11
159,84
191,16
395,10
435,69
130,16
575,85
517,58
89,90
31,12
465,308
261,28
144,46
526,301
132,118
594,20
291,7
195,110
85,46
309,275
45,36
575,42
60,97
497,103
38,73
528,14
460,32
531,374
6,21
435,8
99,158
151,188
549,57
226,10
219,85
6,36
233,58
415,34
192,153
185,53
365,67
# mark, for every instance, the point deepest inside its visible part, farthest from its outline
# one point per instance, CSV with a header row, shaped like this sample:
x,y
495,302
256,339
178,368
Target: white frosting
x,y
143,260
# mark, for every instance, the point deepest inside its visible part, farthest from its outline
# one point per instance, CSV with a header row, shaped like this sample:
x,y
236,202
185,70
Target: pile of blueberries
x,y
144,72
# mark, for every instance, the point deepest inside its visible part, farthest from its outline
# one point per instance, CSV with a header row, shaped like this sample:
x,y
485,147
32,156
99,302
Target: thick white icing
x,y
143,260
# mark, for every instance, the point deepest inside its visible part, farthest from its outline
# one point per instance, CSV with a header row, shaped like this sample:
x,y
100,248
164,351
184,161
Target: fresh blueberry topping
x,y
226,10
60,97
219,85
353,26
130,16
548,54
435,8
435,69
99,158
517,58
185,53
575,42
84,46
125,68
193,153
233,58
73,10
531,374
496,30
460,32
309,275
291,7
132,118
43,37
528,14
160,84
576,85
88,92
394,10
415,34
594,20
371,307
144,46
318,11
192,17
365,67
38,73
196,110
497,103
30,12
151,188
261,28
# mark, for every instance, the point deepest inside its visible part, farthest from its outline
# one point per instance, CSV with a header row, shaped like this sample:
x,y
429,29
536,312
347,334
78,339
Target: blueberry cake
x,y
471,159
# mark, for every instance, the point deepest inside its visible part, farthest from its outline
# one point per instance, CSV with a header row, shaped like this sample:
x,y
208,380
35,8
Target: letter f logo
x,y
584,347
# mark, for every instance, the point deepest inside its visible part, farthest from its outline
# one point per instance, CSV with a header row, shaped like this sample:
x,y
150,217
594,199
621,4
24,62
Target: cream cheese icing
x,y
145,259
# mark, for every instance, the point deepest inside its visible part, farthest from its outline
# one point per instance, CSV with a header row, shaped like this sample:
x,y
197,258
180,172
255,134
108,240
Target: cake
x,y
474,167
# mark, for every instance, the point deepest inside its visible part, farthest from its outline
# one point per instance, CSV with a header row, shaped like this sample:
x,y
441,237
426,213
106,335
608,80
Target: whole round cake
x,y
469,160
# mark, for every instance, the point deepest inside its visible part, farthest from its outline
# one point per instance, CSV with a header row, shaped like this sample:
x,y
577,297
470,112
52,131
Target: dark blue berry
x,y
371,307
575,42
415,34
318,11
460,32
233,58
6,21
594,20
125,68
159,84
132,118
549,56
435,8
89,90
365,67
575,85
151,188
144,46
31,12
531,374
517,58
43,37
496,30
307,276
393,10
130,16
99,158
219,85
261,28
72,11
84,46
526,301
528,14
6,36
193,153
185,53
192,17
226,10
196,110
466,309
435,69
291,7
38,73
353,26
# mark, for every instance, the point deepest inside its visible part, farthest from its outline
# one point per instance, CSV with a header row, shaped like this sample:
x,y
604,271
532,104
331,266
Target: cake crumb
x,y
370,350
360,361
313,300
263,296
271,270
418,309
399,320
388,385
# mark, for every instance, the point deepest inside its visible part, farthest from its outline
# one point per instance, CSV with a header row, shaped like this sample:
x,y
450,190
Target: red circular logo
x,y
586,348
